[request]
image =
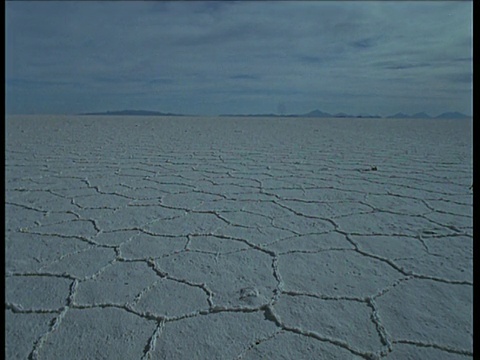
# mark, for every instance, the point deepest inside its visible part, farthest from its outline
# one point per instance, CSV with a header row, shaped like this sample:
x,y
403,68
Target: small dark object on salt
x,y
372,168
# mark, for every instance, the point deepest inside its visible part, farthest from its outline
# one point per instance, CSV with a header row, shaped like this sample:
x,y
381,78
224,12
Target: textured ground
x,y
191,238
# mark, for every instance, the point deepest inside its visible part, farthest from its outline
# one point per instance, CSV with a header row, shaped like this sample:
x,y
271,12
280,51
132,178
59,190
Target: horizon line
x,y
161,113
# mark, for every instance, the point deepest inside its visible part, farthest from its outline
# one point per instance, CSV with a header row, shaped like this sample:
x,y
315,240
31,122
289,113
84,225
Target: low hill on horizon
x,y
452,115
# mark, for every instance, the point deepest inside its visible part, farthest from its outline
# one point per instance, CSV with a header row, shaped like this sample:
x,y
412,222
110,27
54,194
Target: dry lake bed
x,y
238,238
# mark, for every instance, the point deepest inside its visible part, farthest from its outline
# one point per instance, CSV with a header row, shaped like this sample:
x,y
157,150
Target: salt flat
x,y
238,238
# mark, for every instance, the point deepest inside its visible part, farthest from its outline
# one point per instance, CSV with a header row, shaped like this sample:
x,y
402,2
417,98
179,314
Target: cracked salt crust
x,y
149,238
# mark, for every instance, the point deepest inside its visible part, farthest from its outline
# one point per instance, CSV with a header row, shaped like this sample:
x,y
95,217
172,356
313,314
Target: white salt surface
x,y
211,238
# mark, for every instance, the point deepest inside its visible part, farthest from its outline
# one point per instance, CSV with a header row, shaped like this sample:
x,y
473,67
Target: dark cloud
x,y
161,81
310,59
39,84
404,66
364,43
245,77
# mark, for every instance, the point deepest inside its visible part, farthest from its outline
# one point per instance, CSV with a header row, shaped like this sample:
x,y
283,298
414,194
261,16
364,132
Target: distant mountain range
x,y
320,114
422,115
312,114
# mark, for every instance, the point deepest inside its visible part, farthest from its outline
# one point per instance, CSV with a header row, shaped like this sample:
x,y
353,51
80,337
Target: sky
x,y
242,57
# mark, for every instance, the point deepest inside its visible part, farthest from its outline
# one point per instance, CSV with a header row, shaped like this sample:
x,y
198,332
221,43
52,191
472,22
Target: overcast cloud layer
x,y
239,57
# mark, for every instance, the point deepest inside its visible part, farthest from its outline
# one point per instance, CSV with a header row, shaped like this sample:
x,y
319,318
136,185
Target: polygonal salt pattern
x,y
147,238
